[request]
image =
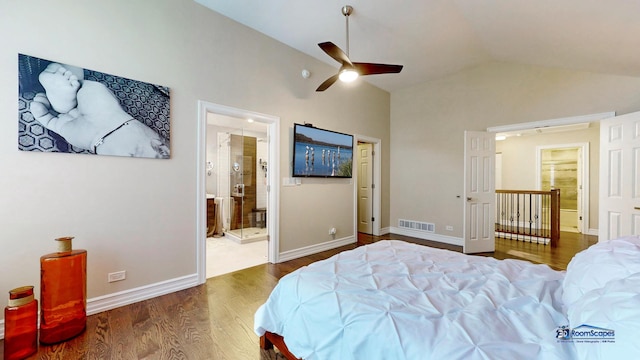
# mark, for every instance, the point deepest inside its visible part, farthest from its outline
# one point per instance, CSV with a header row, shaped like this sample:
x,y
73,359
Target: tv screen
x,y
321,153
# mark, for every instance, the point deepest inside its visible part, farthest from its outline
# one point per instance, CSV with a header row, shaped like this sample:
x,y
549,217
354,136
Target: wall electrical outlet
x,y
332,231
449,228
117,276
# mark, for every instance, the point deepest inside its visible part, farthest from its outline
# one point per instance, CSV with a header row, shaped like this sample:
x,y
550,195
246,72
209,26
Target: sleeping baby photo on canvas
x,y
64,108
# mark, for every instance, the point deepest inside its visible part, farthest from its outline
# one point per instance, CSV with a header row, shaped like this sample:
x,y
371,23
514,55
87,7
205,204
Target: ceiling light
x,y
250,120
348,75
500,137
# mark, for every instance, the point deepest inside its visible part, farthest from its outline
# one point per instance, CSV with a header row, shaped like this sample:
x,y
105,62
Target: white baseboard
x,y
122,298
593,232
115,300
314,249
385,231
428,236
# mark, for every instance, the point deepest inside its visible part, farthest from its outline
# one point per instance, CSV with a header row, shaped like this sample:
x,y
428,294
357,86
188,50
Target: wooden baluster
x,y
555,217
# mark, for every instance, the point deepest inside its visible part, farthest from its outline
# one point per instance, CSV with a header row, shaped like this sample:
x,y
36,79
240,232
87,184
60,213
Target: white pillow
x,y
594,267
616,306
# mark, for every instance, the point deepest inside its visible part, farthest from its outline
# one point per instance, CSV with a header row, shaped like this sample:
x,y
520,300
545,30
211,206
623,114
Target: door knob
x,y
469,198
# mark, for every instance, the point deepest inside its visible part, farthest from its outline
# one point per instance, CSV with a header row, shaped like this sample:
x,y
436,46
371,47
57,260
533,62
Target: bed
x,y
398,300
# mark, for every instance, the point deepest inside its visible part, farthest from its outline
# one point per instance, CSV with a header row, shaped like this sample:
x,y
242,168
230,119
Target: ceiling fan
x,y
349,70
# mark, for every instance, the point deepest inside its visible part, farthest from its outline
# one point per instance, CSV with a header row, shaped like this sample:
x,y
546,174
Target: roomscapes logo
x,y
563,332
585,333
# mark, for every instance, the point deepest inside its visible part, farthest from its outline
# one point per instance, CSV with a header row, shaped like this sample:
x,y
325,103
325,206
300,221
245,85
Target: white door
x,y
619,177
365,181
479,173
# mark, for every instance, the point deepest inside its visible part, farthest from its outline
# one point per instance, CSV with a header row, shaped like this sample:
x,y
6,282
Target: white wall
x,y
139,215
427,162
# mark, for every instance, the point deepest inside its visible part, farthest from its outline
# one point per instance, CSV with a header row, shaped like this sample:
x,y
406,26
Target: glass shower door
x,y
244,182
236,182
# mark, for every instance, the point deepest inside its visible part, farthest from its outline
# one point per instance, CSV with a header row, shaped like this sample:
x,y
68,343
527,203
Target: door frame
x,y
583,164
368,210
273,202
377,180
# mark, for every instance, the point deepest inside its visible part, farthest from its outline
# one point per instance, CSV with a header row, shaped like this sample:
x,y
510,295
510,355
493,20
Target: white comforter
x,y
396,300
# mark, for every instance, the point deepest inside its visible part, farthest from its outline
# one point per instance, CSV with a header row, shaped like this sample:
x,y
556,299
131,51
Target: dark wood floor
x,y
215,320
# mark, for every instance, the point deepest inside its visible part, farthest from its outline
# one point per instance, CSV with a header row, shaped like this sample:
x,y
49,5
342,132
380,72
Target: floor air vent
x,y
417,225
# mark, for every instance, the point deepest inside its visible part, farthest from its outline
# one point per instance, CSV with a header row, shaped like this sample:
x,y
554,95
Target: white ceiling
x,y
433,38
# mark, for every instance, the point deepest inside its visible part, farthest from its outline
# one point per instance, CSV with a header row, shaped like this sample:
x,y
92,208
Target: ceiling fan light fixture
x,y
349,71
348,75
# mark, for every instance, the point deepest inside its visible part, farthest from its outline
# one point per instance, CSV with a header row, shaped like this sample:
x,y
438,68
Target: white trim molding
x,y
428,236
122,298
314,249
552,122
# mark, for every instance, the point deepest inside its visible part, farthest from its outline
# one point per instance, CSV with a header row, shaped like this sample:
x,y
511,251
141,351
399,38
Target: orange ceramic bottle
x,y
63,293
20,324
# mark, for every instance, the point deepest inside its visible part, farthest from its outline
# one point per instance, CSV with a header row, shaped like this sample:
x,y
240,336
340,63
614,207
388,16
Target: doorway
x,y
563,167
367,179
365,188
237,166
237,163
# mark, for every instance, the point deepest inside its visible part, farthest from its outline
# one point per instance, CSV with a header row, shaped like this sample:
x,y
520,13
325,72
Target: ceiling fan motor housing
x,y
347,10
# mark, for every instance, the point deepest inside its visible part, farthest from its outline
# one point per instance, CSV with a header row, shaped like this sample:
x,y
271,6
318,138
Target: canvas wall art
x,y
69,109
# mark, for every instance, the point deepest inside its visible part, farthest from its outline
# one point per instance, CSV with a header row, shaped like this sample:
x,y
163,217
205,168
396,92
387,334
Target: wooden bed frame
x,y
269,340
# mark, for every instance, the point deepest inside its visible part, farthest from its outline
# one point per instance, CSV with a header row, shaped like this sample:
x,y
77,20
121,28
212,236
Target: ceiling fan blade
x,y
375,69
325,85
335,52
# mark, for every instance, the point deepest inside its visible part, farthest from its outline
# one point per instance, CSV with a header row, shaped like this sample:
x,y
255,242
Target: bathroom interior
x,y
236,185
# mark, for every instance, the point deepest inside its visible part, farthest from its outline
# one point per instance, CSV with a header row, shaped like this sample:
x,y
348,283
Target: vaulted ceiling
x,y
434,38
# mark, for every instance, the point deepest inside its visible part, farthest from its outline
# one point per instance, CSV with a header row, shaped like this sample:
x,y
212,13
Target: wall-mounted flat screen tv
x,y
321,153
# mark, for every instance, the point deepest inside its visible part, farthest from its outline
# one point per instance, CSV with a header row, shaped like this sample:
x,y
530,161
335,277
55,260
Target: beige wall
x,y
519,161
139,215
427,162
